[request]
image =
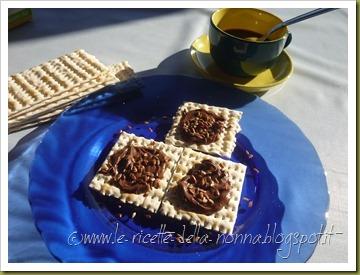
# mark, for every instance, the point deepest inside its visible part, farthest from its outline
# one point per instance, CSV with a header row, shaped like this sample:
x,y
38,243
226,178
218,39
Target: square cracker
x,y
48,110
226,143
223,220
42,83
152,200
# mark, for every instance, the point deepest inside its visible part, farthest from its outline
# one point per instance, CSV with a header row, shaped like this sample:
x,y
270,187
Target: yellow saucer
x,y
276,75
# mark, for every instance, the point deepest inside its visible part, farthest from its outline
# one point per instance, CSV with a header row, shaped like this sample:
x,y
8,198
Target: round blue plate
x,y
283,202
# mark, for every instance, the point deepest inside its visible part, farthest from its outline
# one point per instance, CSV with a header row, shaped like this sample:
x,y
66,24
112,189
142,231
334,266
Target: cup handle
x,y
288,40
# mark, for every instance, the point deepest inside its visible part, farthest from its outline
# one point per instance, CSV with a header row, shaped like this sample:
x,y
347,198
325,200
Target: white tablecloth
x,y
156,41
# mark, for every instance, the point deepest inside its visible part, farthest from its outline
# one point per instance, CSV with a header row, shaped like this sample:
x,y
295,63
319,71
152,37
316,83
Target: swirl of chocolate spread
x,y
205,187
136,169
200,126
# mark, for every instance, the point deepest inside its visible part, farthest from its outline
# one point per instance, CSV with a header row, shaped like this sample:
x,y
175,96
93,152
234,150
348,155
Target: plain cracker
x,y
42,111
53,77
117,72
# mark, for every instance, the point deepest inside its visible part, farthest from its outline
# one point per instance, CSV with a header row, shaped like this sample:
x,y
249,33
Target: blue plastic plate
x,y
284,198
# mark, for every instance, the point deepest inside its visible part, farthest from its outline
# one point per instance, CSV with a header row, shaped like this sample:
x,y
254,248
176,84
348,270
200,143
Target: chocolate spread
x,y
200,126
136,169
205,187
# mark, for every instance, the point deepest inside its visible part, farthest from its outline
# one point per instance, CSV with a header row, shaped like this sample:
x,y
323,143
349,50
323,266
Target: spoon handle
x,y
299,18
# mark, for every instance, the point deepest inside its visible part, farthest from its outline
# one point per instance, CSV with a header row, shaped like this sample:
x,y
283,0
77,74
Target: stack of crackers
x,y
38,95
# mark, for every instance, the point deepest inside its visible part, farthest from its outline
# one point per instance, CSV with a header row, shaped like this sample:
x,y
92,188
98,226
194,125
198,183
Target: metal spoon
x,y
291,21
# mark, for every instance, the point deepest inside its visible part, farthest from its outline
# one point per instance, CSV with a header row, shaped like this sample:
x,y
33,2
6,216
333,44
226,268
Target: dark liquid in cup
x,y
244,34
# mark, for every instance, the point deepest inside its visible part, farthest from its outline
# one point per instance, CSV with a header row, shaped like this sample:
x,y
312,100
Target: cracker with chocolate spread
x,y
205,128
205,191
137,171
